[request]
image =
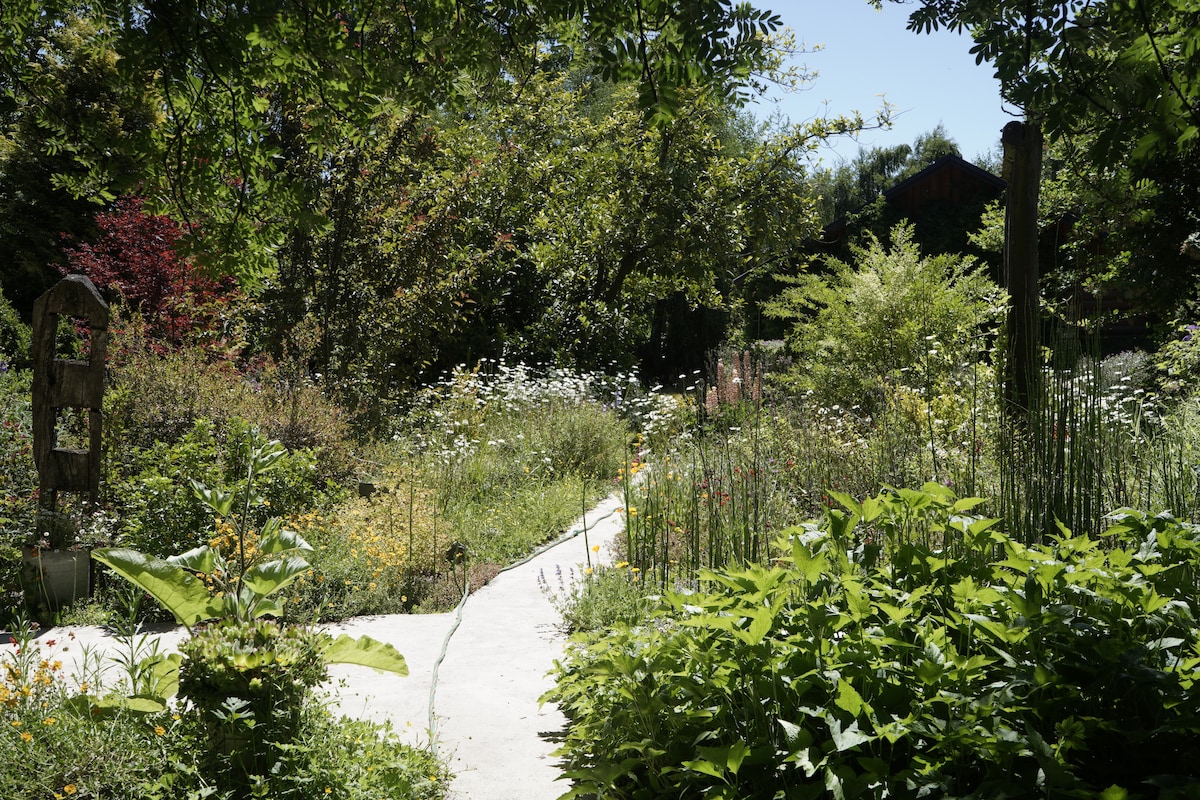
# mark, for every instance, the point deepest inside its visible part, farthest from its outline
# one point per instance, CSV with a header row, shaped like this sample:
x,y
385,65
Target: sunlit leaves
x,y
1125,69
966,686
254,97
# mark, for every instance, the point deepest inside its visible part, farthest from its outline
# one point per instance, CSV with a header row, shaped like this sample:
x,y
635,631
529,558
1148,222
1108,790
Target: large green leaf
x,y
365,652
267,455
111,705
275,539
271,576
200,559
176,589
811,566
221,502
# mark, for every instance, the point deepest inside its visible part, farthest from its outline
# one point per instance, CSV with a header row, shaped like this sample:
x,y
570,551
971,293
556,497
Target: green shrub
x,y
161,513
56,741
248,683
602,597
157,398
1178,362
891,320
904,648
18,481
15,339
338,758
371,555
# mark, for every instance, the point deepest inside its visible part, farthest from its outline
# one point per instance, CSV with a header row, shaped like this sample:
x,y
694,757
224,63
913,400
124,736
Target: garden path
x,y
488,724
490,660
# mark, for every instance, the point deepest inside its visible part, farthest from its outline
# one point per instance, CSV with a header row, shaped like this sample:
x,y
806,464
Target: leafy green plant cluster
x,y
599,598
330,757
904,647
722,493
157,398
18,477
246,679
160,512
892,321
67,735
1178,361
248,683
15,338
51,745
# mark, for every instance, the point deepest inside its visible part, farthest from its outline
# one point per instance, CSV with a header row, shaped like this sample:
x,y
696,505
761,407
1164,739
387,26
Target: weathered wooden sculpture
x,y
65,391
62,385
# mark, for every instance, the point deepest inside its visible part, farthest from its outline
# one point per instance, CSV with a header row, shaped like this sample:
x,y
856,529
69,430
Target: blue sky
x,y
928,78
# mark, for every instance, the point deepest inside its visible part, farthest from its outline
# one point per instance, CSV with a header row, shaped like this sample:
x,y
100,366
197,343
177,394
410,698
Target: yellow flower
x,y
49,721
587,571
26,737
159,730
70,788
595,548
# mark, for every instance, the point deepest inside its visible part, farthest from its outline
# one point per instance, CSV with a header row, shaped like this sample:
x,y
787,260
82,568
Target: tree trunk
x,y
1022,169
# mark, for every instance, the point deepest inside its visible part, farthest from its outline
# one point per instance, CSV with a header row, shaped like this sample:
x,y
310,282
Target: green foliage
x,y
52,744
15,338
247,678
1178,363
1114,238
1114,85
248,683
339,758
18,477
156,398
599,599
904,647
64,738
162,514
72,139
254,98
557,223
240,584
891,322
1125,70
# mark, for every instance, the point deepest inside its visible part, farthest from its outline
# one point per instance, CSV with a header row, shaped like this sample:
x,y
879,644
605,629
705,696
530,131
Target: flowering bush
x,y
48,748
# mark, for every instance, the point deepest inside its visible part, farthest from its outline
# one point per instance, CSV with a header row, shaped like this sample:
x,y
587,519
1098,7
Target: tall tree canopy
x,y
1121,70
253,97
1116,86
557,225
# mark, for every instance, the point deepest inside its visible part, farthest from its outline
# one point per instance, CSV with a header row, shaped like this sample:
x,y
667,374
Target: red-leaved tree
x,y
136,261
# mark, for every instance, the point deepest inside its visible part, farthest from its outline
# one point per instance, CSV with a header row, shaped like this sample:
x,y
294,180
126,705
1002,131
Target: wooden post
x,y
68,384
1023,171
